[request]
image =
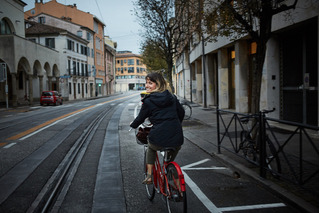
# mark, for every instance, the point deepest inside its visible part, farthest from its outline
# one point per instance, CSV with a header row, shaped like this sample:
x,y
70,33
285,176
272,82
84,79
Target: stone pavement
x,y
201,130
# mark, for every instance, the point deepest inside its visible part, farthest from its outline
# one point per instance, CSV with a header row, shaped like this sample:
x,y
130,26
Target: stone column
x,y
241,76
58,83
223,78
50,83
41,83
30,89
14,89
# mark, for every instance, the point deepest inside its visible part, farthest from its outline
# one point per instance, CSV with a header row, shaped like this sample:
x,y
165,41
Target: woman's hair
x,y
161,84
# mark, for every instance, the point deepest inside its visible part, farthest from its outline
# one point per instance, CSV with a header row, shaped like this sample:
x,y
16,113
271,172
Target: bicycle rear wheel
x,y
188,111
272,159
176,199
248,147
149,187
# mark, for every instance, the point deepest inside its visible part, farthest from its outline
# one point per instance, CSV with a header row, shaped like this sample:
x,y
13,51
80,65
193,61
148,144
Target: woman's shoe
x,y
148,179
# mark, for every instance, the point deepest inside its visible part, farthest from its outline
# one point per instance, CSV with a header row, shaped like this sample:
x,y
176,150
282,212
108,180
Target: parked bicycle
x,y
250,144
187,108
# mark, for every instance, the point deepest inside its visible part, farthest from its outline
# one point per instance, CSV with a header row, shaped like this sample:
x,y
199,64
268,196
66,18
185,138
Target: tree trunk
x,y
257,77
168,75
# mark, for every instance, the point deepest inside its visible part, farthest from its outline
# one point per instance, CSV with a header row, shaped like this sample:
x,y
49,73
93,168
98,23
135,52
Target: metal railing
x,y
295,145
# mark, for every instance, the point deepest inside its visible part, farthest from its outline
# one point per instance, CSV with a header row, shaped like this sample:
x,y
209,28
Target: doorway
x,y
299,78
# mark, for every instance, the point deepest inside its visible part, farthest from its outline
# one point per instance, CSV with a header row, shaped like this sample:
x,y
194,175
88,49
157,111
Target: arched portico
x,y
23,86
47,78
56,78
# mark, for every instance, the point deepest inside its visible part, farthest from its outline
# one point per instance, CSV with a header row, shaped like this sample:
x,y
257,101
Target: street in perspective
x,y
133,106
81,157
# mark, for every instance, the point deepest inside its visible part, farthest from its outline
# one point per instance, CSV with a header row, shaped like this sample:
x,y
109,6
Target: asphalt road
x,y
107,177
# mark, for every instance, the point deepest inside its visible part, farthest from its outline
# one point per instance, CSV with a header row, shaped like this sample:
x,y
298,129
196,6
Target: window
x,y
70,89
82,69
121,62
78,88
96,27
42,20
78,68
130,69
98,47
4,28
74,65
69,67
77,48
138,62
50,42
89,36
70,45
79,33
92,53
83,50
130,61
98,58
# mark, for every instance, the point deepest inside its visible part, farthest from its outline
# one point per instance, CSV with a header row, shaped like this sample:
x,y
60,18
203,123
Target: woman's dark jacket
x,y
166,114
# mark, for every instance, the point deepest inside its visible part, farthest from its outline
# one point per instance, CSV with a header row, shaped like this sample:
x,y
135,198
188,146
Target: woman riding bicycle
x,y
166,114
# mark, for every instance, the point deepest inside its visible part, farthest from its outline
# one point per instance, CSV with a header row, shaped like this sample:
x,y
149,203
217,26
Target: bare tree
x,y
237,18
165,28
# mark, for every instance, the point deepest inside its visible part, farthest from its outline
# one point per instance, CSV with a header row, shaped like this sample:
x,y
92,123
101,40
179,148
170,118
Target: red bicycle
x,y
167,179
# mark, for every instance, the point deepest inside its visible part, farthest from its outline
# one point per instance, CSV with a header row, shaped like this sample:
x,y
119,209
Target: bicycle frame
x,y
160,178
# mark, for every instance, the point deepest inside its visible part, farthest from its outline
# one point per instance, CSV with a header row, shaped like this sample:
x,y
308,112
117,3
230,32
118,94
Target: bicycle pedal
x,y
176,198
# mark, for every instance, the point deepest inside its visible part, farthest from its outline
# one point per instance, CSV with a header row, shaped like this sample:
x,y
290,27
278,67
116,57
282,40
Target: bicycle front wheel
x,y
176,197
149,187
188,111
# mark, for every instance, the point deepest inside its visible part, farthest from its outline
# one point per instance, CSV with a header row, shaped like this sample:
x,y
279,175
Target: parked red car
x,y
51,97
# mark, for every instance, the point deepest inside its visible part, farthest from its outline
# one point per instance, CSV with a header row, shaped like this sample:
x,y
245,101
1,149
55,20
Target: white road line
x,y
250,207
207,202
195,164
201,196
9,145
205,168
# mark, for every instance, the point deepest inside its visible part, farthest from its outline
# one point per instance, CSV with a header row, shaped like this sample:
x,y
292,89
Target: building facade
x,y
130,72
70,13
75,49
30,67
217,73
110,61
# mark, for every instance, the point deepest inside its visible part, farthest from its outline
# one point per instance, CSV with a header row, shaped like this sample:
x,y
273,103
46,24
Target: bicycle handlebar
x,y
266,111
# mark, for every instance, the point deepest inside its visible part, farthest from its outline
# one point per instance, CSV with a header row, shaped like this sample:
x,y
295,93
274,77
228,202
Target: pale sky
x,y
121,23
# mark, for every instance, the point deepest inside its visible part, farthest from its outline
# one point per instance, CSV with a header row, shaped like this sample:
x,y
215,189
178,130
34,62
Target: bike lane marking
x,y
207,202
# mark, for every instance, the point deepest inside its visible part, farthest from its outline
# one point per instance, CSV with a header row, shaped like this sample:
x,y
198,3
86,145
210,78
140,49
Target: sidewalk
x,y
201,130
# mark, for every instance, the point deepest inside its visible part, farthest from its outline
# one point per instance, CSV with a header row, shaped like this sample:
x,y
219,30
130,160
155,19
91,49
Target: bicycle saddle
x,y
168,149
